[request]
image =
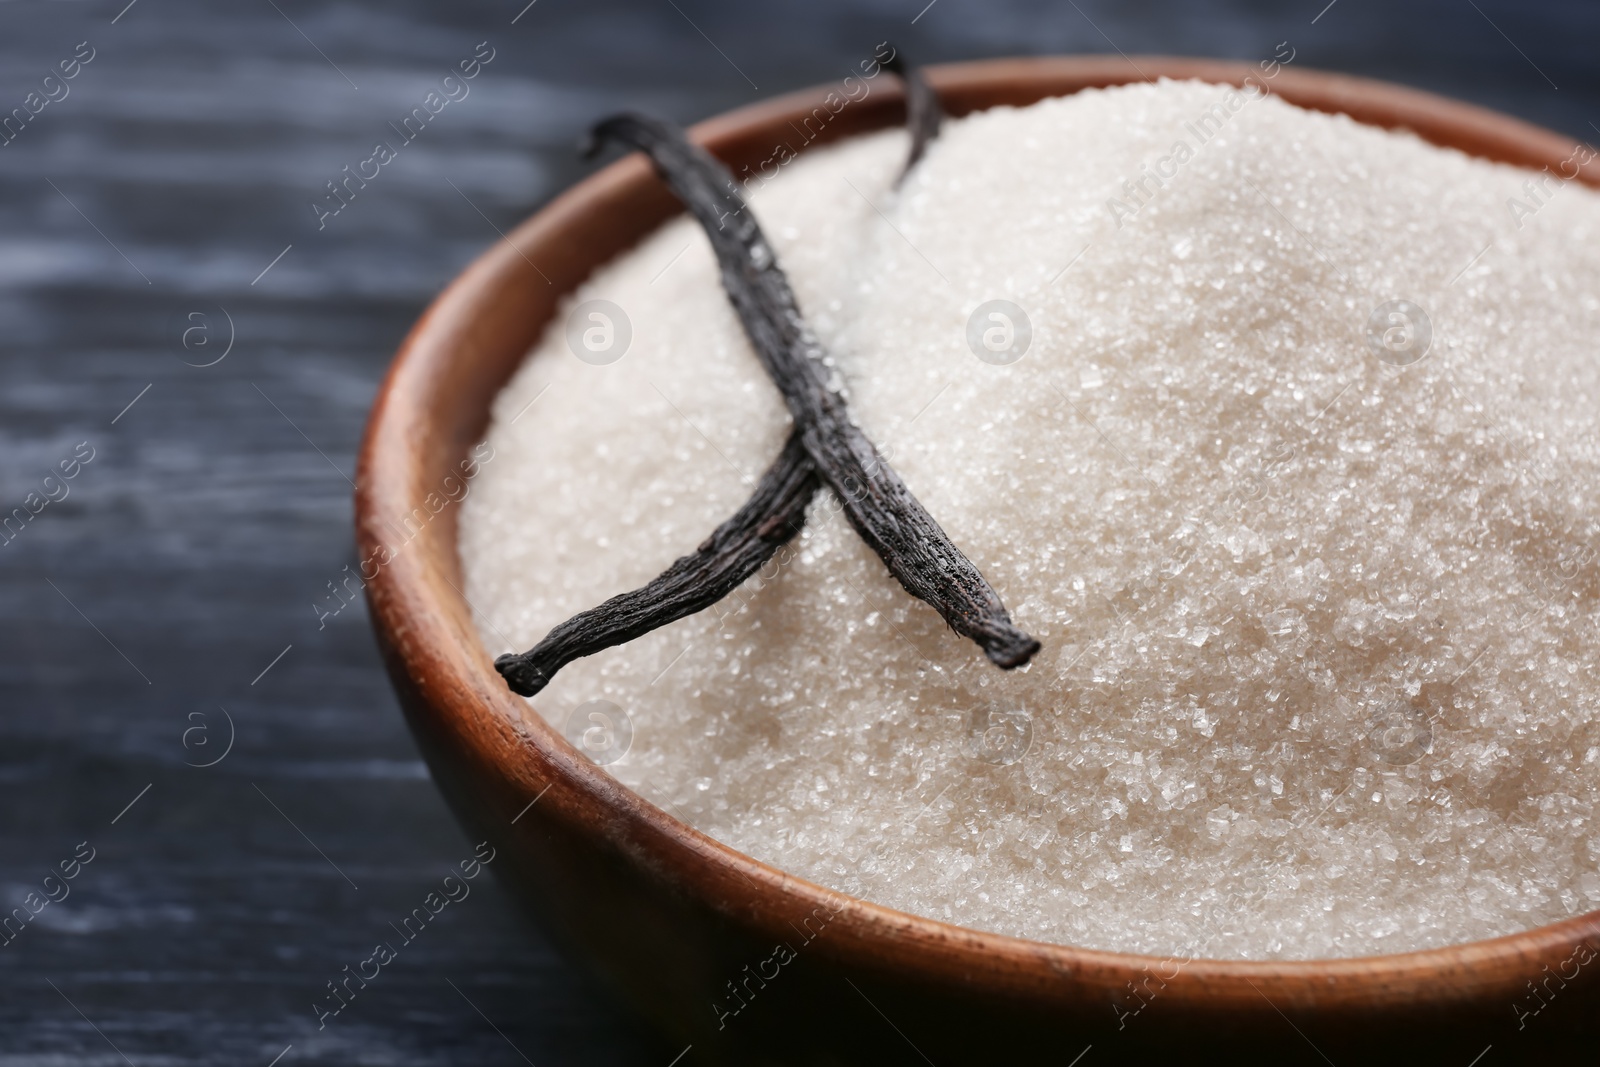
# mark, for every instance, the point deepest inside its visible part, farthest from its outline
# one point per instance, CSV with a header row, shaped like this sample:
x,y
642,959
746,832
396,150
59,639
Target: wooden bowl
x,y
682,925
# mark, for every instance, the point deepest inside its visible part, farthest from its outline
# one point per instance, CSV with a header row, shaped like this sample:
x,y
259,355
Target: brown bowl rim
x,y
427,631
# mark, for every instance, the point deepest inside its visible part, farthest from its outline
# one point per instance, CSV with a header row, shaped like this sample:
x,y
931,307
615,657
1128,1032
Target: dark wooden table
x,y
164,599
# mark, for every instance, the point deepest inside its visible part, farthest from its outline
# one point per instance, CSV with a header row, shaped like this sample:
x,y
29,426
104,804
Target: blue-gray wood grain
x,y
189,552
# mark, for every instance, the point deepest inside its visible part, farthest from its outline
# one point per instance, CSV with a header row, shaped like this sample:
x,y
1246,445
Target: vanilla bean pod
x,y
923,113
734,551
746,541
880,507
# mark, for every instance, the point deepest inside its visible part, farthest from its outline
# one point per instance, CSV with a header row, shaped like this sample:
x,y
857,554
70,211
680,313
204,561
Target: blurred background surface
x,y
178,595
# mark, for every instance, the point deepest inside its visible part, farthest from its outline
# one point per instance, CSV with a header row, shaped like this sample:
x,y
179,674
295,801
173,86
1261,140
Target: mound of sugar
x,y
1319,617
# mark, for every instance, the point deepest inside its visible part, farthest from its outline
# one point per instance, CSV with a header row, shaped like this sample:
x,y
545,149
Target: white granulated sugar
x,y
1319,674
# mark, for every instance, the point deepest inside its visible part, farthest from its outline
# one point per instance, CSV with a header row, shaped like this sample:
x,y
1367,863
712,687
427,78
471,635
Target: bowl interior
x,y
433,408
